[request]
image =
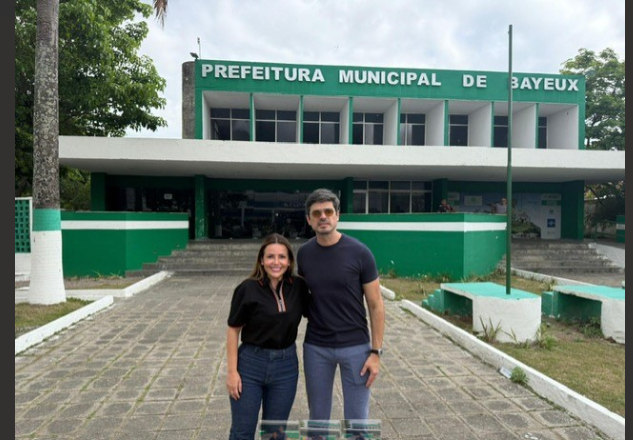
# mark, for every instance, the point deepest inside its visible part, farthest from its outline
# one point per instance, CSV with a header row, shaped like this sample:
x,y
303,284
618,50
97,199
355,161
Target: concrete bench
x,y
584,302
516,316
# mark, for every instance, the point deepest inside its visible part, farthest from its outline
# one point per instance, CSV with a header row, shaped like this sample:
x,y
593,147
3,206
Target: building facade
x,y
259,137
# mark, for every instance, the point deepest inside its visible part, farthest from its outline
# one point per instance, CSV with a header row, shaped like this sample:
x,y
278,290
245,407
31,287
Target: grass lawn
x,y
579,357
31,316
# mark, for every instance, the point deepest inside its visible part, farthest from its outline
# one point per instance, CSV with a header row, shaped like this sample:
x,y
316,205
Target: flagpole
x,y
509,172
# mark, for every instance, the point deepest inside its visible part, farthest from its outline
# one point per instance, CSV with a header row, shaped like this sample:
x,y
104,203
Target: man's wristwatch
x,y
377,351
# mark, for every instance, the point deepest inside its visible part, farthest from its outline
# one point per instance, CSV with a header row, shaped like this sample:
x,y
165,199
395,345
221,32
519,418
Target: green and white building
x,y
258,137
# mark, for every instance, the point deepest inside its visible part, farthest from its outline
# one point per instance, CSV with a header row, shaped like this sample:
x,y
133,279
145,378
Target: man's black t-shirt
x,y
265,322
335,274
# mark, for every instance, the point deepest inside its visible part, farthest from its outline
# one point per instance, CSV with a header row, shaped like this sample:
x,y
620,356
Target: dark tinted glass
x,y
373,117
416,118
417,135
220,113
501,120
265,131
310,116
501,137
265,114
459,136
399,203
357,137
331,116
240,113
221,130
311,133
330,133
286,115
459,119
241,130
286,131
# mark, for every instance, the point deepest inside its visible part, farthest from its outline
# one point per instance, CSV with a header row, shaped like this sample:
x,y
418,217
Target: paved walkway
x,y
153,367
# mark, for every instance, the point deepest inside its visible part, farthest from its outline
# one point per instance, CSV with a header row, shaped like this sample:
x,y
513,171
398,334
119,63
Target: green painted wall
x,y
328,80
98,191
443,248
108,244
573,207
620,229
571,307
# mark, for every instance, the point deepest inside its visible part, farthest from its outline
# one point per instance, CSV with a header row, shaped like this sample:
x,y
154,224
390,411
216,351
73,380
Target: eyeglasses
x,y
317,213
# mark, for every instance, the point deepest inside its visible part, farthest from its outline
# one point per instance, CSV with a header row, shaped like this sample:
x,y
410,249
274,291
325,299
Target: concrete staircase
x,y
209,257
562,258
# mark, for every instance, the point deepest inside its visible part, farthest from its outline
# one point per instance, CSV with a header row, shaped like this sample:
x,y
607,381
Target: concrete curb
x,y
46,331
596,415
21,294
546,278
145,283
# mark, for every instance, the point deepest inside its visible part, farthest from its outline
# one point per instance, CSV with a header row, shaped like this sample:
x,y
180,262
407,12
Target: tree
x,y
47,280
605,97
105,87
605,122
160,9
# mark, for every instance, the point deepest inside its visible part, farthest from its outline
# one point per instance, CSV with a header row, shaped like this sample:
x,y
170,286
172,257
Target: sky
x,y
423,34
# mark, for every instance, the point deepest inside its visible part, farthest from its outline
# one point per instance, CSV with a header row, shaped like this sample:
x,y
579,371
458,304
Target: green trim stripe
x,y
422,226
122,225
47,220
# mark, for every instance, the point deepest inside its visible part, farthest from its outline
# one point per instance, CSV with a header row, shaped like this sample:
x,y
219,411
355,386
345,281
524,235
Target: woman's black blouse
x,y
255,307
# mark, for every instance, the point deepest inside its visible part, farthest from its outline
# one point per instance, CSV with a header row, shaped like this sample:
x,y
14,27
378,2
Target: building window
x,y
458,130
367,129
501,132
230,124
321,127
542,132
275,126
412,129
382,197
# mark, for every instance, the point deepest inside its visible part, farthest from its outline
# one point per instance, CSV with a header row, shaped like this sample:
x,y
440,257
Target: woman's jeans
x,y
319,364
269,381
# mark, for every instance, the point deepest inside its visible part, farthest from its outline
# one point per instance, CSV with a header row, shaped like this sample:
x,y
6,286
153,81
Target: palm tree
x,y
47,275
160,8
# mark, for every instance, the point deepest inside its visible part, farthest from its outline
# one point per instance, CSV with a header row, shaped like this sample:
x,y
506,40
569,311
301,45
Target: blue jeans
x,y
269,381
319,364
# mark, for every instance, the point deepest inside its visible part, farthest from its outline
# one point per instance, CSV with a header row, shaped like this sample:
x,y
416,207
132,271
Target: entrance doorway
x,y
254,214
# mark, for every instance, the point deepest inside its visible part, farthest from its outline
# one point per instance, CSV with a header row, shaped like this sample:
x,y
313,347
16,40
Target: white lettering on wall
x,y
375,77
479,81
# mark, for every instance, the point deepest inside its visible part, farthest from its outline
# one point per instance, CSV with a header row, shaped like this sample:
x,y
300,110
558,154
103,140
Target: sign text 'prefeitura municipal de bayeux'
x,y
326,79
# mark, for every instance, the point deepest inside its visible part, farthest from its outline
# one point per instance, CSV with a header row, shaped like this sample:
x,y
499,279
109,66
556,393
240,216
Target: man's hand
x,y
372,365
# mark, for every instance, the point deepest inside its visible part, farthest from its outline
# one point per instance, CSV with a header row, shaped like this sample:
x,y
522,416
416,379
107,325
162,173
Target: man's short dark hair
x,y
322,195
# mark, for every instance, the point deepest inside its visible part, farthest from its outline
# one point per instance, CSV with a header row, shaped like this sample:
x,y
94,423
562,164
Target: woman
x,y
266,310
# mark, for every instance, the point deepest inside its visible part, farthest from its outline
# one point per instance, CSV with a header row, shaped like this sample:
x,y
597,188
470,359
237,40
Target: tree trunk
x,y
47,276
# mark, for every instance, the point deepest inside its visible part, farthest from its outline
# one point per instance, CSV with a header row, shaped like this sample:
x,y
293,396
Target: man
x,y
445,207
341,274
501,207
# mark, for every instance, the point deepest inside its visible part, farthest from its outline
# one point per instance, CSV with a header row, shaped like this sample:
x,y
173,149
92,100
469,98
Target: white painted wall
x,y
524,128
390,134
480,127
562,130
435,125
345,134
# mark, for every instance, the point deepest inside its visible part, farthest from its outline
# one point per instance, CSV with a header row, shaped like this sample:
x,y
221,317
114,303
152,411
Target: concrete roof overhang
x,y
292,161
